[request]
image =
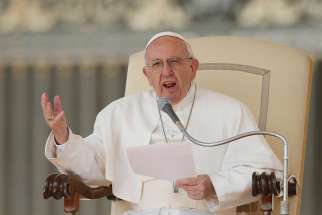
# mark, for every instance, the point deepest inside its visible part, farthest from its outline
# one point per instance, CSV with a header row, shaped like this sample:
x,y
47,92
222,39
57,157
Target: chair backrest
x,y
272,79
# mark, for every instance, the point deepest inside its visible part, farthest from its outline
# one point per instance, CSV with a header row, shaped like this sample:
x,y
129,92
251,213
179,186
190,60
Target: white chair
x,y
272,79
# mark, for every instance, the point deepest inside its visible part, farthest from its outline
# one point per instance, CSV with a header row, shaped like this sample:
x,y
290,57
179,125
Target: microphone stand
x,y
284,202
164,104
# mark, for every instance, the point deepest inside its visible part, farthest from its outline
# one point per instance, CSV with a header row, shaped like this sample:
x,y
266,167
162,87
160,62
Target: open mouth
x,y
169,84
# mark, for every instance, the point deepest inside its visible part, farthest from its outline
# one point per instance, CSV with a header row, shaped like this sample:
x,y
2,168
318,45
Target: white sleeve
x,y
84,157
234,181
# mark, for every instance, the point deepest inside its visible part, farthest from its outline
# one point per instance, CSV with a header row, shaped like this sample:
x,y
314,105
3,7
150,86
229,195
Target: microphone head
x,y
166,107
163,102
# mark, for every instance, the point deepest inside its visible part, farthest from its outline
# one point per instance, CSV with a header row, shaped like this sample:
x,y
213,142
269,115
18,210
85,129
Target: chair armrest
x,y
71,188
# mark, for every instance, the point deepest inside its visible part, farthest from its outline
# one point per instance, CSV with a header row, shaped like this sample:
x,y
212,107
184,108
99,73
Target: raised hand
x,y
197,188
55,117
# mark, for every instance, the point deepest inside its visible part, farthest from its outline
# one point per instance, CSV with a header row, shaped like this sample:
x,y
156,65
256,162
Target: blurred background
x,y
79,49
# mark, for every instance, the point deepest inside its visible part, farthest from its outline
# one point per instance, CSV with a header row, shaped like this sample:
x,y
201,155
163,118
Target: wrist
x,y
61,136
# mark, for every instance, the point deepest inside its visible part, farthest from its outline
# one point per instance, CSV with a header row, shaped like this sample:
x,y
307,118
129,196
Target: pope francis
x,y
223,179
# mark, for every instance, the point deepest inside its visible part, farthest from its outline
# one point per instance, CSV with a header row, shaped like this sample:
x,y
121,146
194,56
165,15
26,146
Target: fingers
x,y
187,181
59,117
189,188
196,195
197,188
195,192
44,99
55,117
46,107
57,105
58,123
49,111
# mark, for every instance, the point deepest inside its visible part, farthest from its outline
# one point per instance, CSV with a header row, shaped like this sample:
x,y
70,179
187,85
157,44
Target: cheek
x,y
155,83
153,79
184,79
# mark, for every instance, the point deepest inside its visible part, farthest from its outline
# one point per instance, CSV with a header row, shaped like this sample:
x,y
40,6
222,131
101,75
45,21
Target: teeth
x,y
169,84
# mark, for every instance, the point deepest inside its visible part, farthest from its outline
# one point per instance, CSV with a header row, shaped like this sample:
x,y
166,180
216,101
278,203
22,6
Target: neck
x,y
191,108
176,101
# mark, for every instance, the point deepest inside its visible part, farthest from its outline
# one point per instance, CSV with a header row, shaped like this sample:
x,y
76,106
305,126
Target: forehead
x,y
165,47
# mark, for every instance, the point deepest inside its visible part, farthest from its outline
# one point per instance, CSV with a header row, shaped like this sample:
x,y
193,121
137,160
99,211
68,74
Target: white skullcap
x,y
163,34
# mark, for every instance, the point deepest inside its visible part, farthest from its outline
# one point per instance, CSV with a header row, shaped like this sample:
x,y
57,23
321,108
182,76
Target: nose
x,y
167,70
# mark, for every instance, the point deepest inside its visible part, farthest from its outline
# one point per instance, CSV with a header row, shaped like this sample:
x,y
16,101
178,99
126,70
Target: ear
x,y
194,67
146,74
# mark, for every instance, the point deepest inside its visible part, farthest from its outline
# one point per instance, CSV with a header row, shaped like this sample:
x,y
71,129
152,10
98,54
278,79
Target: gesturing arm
x,y
69,152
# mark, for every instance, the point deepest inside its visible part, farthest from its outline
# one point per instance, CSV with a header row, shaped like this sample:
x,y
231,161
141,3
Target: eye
x,y
156,64
174,61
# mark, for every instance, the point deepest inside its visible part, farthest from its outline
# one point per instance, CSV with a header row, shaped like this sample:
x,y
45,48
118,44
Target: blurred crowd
x,y
44,15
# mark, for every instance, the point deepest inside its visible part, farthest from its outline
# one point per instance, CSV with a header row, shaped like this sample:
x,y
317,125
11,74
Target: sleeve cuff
x,y
52,149
212,204
221,187
232,189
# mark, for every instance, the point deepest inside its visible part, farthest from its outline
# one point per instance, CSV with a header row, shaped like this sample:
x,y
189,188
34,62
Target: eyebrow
x,y
173,57
156,59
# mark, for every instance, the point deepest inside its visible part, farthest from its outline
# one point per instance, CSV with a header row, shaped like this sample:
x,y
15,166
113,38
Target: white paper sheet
x,y
163,161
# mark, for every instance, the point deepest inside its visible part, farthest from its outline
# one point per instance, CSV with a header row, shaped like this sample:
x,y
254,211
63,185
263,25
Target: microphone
x,y
164,105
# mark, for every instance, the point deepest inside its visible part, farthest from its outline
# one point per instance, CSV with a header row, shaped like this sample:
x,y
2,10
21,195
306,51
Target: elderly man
x,y
224,173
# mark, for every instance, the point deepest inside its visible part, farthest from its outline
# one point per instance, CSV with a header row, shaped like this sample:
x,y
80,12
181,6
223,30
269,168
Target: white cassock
x,y
101,157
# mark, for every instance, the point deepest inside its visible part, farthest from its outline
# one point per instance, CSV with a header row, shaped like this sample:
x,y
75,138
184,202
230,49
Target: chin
x,y
172,96
174,100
